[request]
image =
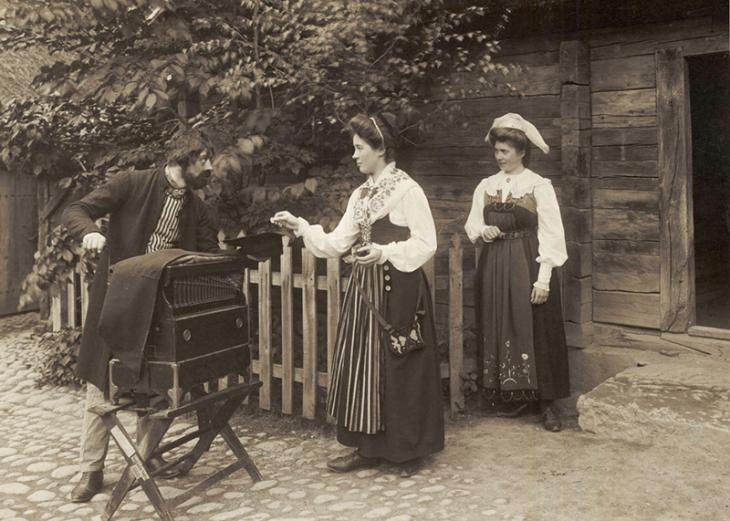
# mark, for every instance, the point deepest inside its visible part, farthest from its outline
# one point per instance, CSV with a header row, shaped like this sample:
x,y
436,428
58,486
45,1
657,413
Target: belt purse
x,y
400,342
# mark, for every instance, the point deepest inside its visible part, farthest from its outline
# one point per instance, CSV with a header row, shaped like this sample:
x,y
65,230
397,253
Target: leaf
x,y
150,101
246,146
311,184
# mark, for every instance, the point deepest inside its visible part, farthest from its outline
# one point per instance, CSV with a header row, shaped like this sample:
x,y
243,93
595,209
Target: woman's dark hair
x,y
513,137
186,147
378,131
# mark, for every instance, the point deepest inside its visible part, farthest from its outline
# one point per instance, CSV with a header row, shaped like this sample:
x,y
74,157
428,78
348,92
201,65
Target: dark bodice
x,y
383,231
515,214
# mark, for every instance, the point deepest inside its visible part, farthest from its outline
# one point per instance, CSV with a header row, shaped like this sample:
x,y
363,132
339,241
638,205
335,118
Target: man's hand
x,y
367,255
490,233
93,241
539,295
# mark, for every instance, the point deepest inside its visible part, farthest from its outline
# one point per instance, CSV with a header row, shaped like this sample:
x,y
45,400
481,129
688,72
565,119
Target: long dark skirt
x,y
523,353
411,405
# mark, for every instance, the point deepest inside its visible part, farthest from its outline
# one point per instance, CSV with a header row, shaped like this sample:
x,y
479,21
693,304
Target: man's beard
x,y
197,182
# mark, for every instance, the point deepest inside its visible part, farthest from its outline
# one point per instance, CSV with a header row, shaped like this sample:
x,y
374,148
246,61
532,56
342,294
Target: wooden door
x,y
18,229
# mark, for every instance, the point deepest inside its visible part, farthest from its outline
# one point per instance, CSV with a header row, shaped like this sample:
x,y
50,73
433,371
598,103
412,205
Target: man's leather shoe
x,y
352,461
156,462
89,485
551,420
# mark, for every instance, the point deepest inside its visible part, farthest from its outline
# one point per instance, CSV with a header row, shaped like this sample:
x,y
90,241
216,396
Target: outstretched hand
x,y
285,220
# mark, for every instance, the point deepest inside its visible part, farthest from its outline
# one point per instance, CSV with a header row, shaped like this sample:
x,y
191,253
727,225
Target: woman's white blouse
x,y
411,210
552,250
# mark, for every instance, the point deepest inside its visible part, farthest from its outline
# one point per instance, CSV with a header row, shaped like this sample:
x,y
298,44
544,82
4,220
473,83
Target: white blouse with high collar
x,y
552,251
405,204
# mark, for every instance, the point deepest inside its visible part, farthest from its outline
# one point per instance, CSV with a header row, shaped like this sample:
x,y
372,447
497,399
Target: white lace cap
x,y
512,120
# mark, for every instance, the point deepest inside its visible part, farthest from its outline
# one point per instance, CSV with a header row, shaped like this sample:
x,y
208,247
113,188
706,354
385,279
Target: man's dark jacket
x,y
134,201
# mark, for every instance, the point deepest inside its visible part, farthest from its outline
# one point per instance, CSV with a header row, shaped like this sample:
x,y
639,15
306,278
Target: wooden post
x,y
287,329
676,240
265,369
71,315
56,314
456,325
574,187
246,289
309,332
84,296
334,296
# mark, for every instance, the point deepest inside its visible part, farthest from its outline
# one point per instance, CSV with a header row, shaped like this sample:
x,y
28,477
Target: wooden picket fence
x,y
69,303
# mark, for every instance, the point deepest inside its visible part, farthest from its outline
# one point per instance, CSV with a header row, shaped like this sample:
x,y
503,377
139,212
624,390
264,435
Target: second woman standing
x,y
385,390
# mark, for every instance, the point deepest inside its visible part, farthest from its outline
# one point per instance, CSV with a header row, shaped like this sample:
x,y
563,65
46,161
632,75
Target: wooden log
x,y
625,224
576,159
625,73
623,136
529,59
622,42
456,325
626,108
265,334
287,329
309,333
638,184
573,191
580,259
578,335
575,62
535,80
675,170
623,120
575,105
578,300
577,224
528,45
634,309
626,272
334,296
625,153
626,247
628,199
625,168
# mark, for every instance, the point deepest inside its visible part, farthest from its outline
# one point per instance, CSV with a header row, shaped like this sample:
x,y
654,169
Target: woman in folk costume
x,y
522,355
385,390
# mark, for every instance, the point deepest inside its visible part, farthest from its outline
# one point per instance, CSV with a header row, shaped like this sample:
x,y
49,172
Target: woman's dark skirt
x,y
411,404
505,274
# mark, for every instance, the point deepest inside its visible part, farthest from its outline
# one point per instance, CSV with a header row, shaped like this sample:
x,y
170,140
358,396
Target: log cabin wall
x,y
593,95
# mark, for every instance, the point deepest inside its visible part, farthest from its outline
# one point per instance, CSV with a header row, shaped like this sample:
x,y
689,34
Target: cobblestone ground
x,y
492,469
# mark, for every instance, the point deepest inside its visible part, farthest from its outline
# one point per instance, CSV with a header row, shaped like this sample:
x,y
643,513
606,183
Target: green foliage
x,y
55,264
54,357
271,81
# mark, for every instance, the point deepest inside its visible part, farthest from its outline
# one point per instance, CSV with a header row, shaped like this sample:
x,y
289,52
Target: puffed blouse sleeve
x,y
411,254
475,222
335,243
552,251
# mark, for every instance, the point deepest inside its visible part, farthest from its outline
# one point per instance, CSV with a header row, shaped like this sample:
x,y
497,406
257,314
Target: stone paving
x,y
508,470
